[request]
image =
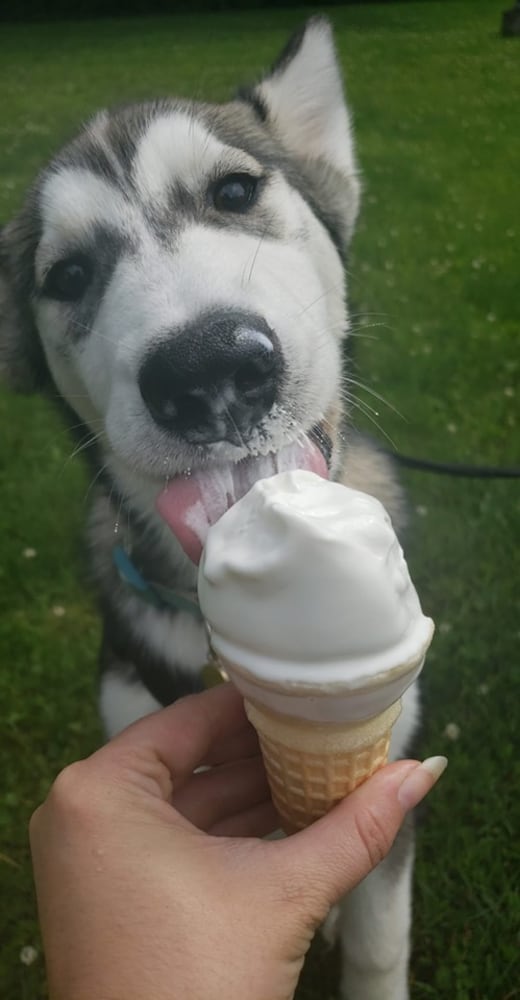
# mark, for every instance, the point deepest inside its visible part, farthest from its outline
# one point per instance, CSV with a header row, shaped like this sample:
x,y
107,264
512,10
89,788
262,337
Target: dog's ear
x,y
22,363
302,98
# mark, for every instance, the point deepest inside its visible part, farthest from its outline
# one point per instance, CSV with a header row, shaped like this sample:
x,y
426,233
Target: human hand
x,y
152,883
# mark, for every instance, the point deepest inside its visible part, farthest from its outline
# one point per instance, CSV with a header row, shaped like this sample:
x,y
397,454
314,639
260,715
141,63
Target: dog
x,y
176,277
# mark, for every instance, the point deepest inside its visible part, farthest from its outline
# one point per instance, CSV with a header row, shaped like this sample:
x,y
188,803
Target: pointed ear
x,y
303,100
22,364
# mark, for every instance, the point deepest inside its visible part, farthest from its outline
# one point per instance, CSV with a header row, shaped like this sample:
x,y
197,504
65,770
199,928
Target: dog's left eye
x,y
235,193
68,279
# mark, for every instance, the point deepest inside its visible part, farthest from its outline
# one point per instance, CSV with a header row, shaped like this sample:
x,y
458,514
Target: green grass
x,y
434,285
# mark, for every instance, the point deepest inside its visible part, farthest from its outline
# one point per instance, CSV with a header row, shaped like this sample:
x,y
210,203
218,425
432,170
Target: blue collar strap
x,y
153,593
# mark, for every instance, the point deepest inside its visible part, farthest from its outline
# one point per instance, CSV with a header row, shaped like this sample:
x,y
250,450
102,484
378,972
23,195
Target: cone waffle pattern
x,y
304,786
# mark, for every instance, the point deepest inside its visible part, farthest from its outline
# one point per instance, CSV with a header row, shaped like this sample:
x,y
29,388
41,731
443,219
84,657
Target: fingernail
x,y
418,782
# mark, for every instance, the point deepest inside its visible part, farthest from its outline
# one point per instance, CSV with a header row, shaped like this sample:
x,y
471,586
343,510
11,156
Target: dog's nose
x,y
215,379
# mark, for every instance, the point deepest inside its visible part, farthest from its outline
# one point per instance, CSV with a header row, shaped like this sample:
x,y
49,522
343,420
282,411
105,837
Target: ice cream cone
x,y
311,766
312,612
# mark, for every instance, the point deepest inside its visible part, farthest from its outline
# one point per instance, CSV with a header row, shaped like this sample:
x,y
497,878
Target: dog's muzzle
x,y
214,379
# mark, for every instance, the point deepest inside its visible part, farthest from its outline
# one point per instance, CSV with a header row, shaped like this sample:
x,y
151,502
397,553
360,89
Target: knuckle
x,y
292,891
373,835
302,896
141,767
69,794
305,906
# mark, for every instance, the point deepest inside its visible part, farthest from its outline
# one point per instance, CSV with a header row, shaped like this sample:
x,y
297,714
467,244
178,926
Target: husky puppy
x,y
176,275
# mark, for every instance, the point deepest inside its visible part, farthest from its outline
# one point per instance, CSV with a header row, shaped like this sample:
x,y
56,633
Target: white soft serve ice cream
x,y
308,595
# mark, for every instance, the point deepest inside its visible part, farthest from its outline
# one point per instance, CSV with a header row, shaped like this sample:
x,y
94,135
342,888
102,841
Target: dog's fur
x,y
131,195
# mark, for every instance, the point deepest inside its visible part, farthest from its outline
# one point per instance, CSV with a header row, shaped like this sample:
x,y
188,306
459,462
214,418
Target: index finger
x,y
183,735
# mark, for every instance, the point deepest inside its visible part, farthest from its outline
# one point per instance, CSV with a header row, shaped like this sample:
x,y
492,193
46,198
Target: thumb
x,y
329,858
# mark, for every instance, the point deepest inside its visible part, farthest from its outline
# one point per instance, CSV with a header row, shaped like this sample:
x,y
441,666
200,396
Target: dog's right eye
x,y
235,193
68,279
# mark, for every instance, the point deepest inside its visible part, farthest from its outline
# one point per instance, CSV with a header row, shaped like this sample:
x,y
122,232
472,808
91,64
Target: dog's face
x,y
177,272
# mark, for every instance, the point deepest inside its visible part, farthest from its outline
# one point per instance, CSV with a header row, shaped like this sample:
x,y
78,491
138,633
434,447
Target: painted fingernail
x,y
418,782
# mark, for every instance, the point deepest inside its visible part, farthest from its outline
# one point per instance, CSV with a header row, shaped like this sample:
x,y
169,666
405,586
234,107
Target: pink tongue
x,y
191,503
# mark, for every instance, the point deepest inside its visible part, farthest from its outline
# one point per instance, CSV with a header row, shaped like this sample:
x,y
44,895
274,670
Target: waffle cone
x,y
312,766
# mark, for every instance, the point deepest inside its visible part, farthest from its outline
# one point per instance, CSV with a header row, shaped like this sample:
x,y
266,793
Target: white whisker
x,y
91,331
94,480
83,445
365,388
352,402
253,262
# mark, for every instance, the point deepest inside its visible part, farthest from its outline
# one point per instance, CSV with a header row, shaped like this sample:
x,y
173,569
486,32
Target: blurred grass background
x,y
434,284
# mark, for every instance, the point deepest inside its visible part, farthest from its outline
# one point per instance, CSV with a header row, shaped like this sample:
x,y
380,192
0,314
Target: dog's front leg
x,y
374,928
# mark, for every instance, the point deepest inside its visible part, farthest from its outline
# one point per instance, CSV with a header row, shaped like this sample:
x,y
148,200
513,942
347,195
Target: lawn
x,y
434,287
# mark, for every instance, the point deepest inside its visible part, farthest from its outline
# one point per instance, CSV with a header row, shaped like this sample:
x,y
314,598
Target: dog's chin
x,y
191,502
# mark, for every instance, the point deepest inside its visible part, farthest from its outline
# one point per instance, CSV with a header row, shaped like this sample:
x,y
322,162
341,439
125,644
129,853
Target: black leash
x,y
455,468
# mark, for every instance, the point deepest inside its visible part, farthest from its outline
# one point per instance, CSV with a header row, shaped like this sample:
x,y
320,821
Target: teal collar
x,y
153,593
